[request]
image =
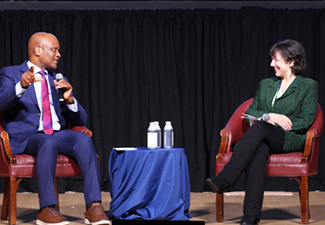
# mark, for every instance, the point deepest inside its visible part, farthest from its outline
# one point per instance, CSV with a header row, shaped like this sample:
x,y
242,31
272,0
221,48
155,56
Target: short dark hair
x,y
291,50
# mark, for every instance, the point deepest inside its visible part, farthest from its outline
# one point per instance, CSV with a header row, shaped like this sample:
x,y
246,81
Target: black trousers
x,y
250,156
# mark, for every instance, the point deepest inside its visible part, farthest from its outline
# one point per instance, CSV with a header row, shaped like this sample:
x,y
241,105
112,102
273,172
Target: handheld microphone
x,y
58,77
265,117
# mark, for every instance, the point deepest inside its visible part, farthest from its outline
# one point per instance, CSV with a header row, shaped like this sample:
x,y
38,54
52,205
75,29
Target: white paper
x,y
252,119
125,149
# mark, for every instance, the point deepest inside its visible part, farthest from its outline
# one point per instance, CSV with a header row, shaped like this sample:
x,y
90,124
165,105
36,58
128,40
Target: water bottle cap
x,y
156,122
168,122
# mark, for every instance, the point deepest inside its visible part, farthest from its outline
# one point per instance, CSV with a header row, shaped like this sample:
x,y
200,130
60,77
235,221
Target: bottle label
x,y
152,140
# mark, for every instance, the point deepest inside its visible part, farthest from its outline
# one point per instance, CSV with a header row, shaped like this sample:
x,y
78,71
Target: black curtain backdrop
x,y
192,67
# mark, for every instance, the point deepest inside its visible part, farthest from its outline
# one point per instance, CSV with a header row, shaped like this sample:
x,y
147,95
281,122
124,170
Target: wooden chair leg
x,y
4,212
219,207
304,200
12,200
56,193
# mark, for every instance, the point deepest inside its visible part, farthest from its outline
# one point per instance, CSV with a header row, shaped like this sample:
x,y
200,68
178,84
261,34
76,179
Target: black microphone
x,y
265,117
58,77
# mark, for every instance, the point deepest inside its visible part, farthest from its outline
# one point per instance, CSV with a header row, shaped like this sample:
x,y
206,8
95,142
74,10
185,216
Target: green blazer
x,y
299,103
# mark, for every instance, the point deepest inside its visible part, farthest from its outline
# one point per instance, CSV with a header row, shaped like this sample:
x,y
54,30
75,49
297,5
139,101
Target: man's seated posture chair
x,y
297,165
24,166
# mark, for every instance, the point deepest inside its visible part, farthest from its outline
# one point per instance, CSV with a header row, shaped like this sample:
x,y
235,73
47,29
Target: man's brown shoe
x,y
96,215
50,216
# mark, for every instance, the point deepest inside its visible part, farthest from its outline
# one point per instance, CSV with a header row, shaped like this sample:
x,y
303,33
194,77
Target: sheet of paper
x,y
246,116
125,149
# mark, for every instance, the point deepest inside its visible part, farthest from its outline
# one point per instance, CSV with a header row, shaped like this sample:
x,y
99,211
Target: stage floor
x,y
279,208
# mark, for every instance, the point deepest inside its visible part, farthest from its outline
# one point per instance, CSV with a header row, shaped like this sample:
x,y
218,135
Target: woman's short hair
x,y
291,50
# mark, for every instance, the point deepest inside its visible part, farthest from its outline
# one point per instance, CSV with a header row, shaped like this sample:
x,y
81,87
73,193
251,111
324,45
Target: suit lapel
x,y
31,89
55,98
270,92
292,87
54,92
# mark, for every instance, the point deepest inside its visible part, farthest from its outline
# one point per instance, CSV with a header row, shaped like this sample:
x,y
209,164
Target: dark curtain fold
x,y
192,67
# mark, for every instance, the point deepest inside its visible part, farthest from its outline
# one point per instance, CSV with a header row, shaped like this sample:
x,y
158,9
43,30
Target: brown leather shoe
x,y
50,216
96,215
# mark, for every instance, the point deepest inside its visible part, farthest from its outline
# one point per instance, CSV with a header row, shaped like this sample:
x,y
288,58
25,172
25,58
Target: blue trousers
x,y
76,145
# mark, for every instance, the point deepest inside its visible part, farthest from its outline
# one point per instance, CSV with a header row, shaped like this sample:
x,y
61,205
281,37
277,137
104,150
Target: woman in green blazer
x,y
285,106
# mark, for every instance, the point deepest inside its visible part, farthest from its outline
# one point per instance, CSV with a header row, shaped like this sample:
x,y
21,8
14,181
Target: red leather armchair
x,y
14,168
295,165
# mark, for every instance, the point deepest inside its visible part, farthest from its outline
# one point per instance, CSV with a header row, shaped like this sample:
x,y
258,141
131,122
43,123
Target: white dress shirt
x,y
38,90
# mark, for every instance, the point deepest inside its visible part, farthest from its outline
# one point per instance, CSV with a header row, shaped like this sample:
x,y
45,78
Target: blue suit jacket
x,y
22,114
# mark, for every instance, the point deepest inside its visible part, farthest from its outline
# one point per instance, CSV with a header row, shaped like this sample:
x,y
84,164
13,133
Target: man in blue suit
x,y
21,101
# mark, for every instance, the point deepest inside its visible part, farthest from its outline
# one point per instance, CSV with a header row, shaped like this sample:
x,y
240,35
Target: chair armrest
x,y
224,144
309,142
7,149
82,129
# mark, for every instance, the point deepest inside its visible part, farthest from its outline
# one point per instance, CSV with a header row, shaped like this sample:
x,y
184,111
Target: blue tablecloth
x,y
149,184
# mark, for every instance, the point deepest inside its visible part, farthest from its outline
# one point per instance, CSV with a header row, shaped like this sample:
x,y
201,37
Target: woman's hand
x,y
280,120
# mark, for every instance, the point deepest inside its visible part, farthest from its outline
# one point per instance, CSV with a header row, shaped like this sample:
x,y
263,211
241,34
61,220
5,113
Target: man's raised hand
x,y
29,78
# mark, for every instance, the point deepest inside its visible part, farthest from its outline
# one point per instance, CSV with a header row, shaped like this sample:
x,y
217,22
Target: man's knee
x,y
86,146
49,145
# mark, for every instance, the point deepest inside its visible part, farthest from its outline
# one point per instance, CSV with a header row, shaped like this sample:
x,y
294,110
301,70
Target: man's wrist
x,y
70,101
23,86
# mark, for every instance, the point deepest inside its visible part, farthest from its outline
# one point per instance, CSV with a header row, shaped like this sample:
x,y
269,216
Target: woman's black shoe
x,y
248,220
219,183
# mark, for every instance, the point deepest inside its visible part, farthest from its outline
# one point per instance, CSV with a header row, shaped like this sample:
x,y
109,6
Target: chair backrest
x,y
236,124
317,128
317,125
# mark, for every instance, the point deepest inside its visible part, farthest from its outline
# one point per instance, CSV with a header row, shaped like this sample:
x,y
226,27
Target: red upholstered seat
x,y
295,164
24,166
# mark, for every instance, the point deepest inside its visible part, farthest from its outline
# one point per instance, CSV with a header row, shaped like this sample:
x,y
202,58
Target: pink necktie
x,y
47,118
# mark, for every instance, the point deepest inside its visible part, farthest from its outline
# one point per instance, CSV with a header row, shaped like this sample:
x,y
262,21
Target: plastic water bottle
x,y
158,133
168,135
152,136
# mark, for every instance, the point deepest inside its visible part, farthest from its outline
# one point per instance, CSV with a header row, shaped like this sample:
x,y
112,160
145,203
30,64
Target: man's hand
x,y
281,120
29,78
66,88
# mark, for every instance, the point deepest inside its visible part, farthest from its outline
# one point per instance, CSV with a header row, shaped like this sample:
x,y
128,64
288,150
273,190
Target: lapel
x,y
55,97
292,87
270,92
54,92
31,89
290,91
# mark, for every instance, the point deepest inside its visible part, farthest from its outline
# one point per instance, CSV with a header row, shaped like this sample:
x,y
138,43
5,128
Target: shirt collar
x,y
36,68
